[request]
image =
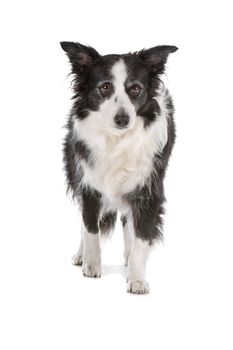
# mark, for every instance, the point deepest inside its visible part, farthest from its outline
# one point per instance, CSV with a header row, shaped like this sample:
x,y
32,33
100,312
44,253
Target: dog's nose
x,y
121,120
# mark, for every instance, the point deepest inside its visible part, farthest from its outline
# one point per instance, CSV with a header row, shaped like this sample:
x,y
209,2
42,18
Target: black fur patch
x,y
124,220
69,158
73,152
82,150
107,222
147,210
91,208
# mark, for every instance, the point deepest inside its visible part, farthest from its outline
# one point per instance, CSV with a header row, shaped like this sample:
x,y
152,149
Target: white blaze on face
x,y
119,101
120,97
119,78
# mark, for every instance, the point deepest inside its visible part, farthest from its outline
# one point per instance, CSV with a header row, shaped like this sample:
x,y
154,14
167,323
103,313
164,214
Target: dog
x,y
120,137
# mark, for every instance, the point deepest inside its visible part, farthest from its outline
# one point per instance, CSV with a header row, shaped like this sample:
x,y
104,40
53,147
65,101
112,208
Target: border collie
x,y
120,136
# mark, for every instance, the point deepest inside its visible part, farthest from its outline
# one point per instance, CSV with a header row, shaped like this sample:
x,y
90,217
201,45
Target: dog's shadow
x,y
115,269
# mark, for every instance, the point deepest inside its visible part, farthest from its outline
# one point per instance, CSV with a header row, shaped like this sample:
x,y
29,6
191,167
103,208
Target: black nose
x,y
121,120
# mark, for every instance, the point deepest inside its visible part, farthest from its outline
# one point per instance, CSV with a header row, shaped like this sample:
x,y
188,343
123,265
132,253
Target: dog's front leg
x,y
140,248
144,227
91,266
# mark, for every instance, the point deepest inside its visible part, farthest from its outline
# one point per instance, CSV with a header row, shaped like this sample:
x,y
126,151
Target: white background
x,y
45,303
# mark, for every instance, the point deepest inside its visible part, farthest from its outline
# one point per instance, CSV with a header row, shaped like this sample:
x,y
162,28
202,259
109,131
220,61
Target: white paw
x,y
91,270
77,259
138,287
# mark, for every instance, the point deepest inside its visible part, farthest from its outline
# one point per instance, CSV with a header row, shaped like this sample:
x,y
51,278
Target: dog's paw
x,y
91,270
138,287
77,259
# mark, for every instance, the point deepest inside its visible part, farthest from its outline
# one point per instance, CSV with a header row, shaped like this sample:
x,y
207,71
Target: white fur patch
x,y
120,97
91,256
137,259
77,259
127,243
138,256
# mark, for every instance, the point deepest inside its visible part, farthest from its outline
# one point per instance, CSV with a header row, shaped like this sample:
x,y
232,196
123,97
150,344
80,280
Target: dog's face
x,y
116,89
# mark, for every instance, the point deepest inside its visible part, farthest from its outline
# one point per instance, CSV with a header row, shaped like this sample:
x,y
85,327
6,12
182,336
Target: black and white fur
x,y
120,137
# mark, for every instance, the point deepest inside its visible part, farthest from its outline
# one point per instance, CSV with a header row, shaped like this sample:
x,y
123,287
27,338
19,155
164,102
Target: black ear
x,y
156,57
80,56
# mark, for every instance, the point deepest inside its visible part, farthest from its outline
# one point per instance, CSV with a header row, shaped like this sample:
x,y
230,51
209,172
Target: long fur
x,y
119,140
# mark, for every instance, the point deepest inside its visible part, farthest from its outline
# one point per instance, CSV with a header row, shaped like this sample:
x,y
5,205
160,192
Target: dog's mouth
x,y
118,131
122,128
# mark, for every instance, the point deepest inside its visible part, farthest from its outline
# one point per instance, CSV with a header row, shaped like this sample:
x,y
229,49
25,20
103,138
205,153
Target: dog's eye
x,y
105,89
135,90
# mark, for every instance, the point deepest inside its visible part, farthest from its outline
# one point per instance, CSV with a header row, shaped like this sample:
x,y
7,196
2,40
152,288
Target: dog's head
x,y
119,88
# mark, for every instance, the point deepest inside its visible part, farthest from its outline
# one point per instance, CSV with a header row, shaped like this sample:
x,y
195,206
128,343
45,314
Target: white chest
x,y
121,163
